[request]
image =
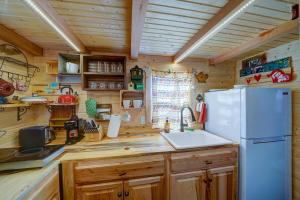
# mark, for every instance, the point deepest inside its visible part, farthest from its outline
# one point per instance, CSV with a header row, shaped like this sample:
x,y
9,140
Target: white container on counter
x,y
114,126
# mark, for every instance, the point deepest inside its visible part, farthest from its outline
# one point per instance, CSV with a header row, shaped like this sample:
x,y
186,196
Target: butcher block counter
x,y
126,145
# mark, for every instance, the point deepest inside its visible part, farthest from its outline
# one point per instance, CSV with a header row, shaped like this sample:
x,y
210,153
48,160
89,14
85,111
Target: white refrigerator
x,y
259,119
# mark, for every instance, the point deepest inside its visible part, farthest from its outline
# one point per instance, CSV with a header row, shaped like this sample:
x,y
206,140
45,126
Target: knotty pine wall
x,y
291,49
220,76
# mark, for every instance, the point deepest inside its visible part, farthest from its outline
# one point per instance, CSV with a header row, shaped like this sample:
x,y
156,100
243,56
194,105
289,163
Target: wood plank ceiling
x,y
101,24
263,15
169,24
15,15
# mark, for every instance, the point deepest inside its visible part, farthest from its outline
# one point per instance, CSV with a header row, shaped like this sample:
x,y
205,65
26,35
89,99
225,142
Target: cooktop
x,y
22,158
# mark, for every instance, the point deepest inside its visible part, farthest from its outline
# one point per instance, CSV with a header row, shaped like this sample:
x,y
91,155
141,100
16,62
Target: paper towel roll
x,y
114,126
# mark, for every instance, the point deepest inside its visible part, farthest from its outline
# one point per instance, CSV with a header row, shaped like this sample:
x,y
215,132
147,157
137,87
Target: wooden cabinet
x,y
103,191
222,183
188,185
208,174
48,189
213,184
204,175
151,188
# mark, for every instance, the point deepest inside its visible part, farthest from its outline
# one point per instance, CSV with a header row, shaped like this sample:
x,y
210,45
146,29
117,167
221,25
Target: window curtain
x,y
170,91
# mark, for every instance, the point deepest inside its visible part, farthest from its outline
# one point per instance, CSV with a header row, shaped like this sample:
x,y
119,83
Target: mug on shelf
x,y
137,103
126,103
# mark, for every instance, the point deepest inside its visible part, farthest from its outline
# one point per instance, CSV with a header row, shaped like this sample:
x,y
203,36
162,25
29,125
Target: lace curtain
x,y
170,91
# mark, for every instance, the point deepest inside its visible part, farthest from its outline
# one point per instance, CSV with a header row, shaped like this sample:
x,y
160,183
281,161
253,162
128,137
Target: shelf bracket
x,y
20,112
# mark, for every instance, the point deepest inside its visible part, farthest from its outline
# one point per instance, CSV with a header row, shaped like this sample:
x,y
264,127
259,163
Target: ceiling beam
x,y
19,41
224,15
48,13
263,38
137,24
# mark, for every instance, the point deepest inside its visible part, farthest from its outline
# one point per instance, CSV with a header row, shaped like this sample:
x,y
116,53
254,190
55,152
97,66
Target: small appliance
x,y
28,158
35,136
74,132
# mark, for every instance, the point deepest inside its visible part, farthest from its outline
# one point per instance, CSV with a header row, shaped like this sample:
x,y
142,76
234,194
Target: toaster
x,y
35,136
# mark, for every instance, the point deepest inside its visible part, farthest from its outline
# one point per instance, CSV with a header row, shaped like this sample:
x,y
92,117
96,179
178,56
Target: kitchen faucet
x,y
182,125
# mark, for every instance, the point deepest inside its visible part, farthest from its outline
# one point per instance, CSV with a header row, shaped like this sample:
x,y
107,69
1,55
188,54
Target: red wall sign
x,y
279,76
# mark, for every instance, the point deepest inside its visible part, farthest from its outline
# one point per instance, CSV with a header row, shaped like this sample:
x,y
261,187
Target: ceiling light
x,y
213,31
36,8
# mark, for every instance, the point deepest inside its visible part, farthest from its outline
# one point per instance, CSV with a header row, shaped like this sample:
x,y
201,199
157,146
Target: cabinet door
x,y
190,185
103,191
222,183
151,188
48,189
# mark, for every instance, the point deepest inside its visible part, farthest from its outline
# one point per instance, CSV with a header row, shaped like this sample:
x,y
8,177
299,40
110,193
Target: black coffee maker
x,y
73,133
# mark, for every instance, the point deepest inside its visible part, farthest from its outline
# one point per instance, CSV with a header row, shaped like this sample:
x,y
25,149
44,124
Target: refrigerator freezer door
x,y
265,169
265,112
223,113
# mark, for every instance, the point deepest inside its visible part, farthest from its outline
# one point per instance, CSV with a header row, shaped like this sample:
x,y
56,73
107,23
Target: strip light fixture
x,y
37,9
213,31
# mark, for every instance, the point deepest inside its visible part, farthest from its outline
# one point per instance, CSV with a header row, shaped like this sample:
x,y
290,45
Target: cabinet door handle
x,y
119,194
126,194
208,162
122,173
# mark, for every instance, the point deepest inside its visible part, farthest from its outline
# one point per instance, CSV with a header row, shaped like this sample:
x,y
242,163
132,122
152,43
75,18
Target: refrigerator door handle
x,y
267,140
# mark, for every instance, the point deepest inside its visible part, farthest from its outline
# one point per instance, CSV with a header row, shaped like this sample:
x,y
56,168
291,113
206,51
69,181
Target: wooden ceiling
x,y
263,15
167,25
15,15
98,23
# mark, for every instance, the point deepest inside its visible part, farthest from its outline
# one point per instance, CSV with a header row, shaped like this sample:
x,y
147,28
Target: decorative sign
x,y
267,67
254,61
277,71
279,76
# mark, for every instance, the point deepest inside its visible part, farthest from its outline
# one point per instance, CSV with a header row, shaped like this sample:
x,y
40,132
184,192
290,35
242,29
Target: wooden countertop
x,y
131,145
15,186
138,144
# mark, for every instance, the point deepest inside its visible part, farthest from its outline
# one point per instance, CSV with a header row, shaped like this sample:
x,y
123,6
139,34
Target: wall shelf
x,y
21,108
100,71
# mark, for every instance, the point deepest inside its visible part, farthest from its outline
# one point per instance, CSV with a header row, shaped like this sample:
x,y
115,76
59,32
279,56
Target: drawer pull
x,y
122,173
208,162
119,194
126,194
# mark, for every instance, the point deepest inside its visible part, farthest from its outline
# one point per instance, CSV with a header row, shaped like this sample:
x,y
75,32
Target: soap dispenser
x,y
167,126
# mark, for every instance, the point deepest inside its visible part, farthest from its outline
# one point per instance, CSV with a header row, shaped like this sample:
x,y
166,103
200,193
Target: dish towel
x,y
202,116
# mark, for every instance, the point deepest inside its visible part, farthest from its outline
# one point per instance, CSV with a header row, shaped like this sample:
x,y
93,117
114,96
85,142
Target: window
x,y
170,91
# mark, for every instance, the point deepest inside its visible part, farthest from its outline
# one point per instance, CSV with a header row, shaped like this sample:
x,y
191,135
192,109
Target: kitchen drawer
x,y
119,168
201,160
